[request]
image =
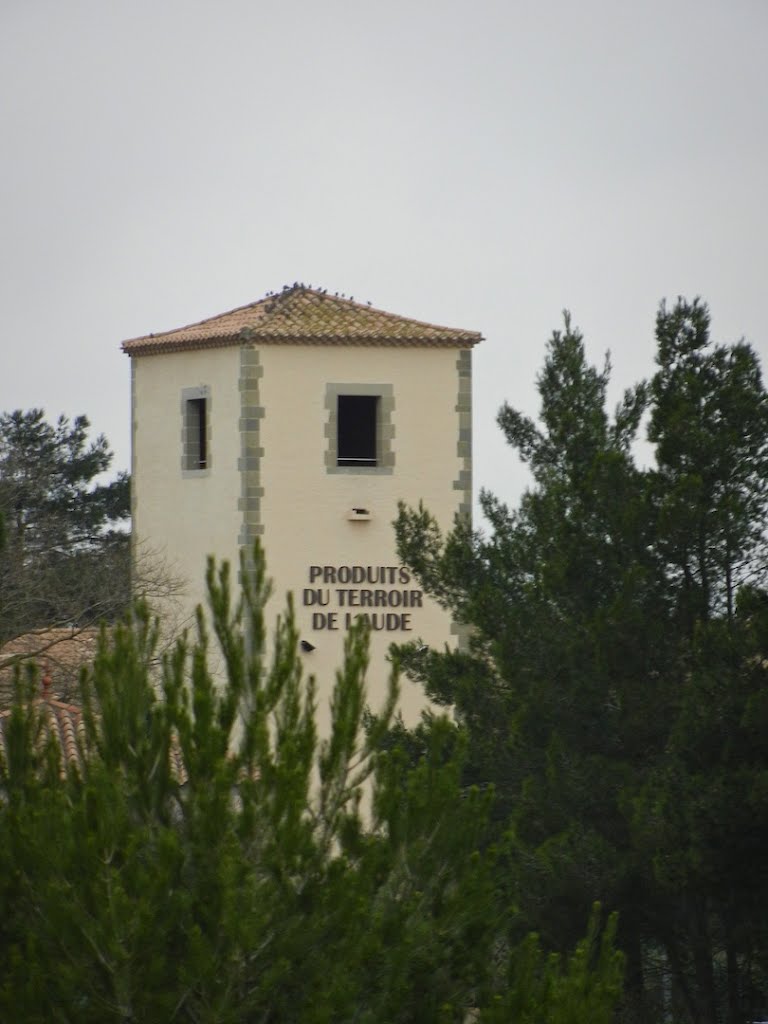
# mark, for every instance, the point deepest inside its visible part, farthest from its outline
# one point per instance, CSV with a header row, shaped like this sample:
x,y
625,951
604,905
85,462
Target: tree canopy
x,y
613,688
208,858
66,555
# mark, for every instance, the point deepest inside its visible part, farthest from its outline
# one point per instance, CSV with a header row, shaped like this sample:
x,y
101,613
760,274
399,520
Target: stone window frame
x,y
188,440
385,428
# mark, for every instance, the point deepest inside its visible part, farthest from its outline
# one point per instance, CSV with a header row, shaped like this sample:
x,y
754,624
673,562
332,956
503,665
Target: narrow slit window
x,y
197,433
357,417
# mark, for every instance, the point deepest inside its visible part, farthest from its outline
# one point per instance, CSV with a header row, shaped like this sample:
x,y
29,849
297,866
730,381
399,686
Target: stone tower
x,y
302,419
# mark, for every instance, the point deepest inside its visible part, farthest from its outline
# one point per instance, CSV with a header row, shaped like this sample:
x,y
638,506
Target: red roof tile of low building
x,y
64,723
59,721
303,316
59,653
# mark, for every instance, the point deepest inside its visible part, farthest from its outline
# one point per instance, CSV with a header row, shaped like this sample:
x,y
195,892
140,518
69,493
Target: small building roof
x,y
59,721
303,316
65,724
60,652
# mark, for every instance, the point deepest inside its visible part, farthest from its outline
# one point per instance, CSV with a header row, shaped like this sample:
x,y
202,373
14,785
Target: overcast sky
x,y
480,165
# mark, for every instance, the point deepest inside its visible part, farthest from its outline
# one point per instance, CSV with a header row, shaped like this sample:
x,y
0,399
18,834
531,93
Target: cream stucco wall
x,y
270,476
305,507
179,518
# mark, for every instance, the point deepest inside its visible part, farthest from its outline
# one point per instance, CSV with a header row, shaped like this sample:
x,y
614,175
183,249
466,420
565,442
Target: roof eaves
x,y
159,345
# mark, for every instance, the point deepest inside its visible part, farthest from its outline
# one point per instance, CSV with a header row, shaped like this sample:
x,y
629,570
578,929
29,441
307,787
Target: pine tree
x,y
709,425
611,692
213,859
65,560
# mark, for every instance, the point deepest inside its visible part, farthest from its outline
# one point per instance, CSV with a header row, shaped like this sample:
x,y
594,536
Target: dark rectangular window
x,y
356,418
197,433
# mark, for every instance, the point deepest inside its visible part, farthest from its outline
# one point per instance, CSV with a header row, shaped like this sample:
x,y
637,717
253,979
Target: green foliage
x,y
586,991
214,860
64,559
710,427
612,690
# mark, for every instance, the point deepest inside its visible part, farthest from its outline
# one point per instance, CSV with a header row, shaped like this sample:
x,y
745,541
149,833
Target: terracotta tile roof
x,y
58,720
66,725
303,316
59,652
